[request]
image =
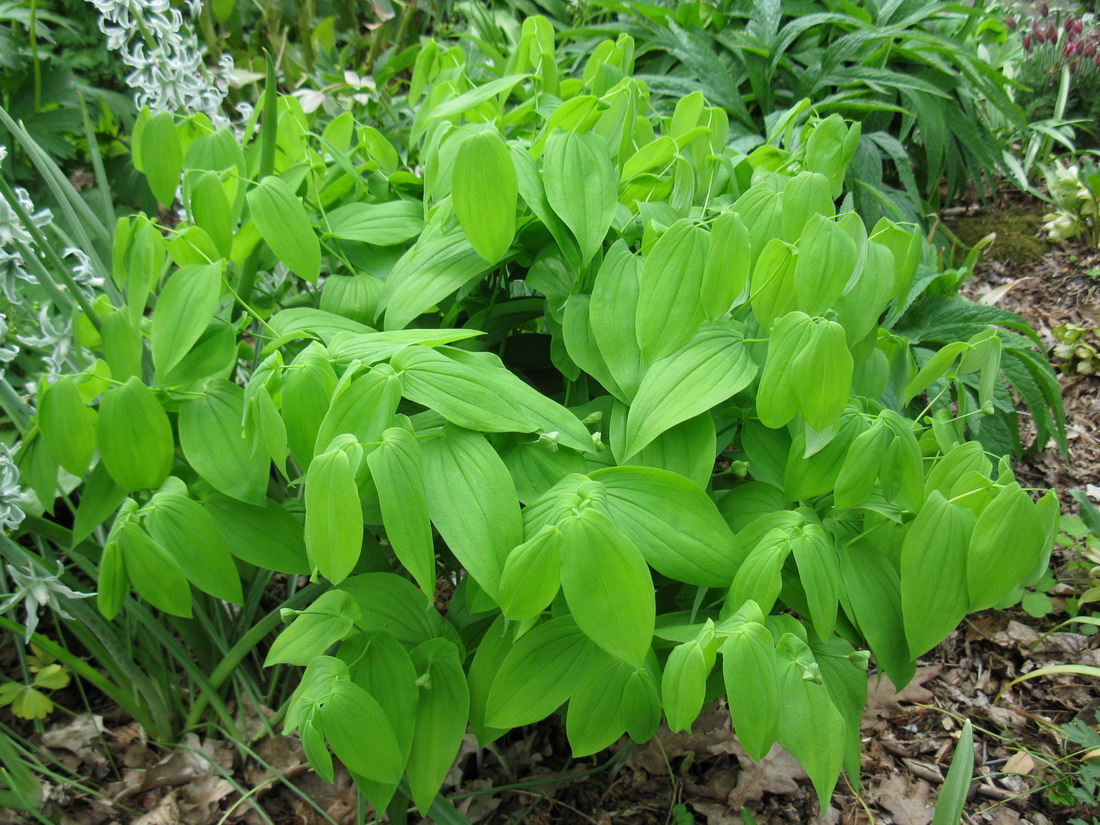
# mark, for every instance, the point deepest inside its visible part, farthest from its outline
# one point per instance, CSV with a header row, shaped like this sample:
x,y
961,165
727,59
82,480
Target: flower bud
x,y
1044,9
1027,42
1052,33
1039,36
1078,26
1089,49
1068,25
1010,21
1098,60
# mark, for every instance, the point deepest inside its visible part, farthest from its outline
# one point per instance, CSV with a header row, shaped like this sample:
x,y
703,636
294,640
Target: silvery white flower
x,y
39,589
163,51
11,495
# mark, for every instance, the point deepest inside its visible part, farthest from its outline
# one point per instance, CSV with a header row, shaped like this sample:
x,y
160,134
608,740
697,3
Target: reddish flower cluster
x,y
1062,34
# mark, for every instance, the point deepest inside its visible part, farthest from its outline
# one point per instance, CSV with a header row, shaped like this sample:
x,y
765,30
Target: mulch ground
x,y
1027,769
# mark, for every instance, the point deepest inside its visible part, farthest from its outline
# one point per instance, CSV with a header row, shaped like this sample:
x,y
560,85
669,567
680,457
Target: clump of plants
x,y
505,351
1074,190
1078,348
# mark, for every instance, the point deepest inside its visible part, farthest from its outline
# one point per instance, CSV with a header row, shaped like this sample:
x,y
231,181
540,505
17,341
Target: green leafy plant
x,y
669,423
1075,195
910,72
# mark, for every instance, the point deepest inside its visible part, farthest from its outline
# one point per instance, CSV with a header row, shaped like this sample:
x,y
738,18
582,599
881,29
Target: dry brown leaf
x,y
81,736
776,773
907,800
1020,762
167,812
884,700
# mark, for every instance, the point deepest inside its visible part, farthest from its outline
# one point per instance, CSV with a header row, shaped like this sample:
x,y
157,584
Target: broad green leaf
x,y
152,571
457,391
214,355
612,314
581,186
397,470
189,533
213,441
771,293
472,502
485,193
362,405
1008,539
861,466
326,621
594,719
135,438
184,309
427,274
822,375
711,368
641,704
122,345
441,715
751,675
476,391
360,734
379,224
285,226
159,154
871,597
483,669
379,664
965,458
578,334
758,578
99,498
334,517
777,399
728,265
607,585
826,261
934,597
307,390
760,208
935,368
113,584
863,304
268,537
68,424
532,575
811,728
688,448
537,465
394,604
210,209
353,296
684,684
819,571
539,673
673,523
670,294
806,195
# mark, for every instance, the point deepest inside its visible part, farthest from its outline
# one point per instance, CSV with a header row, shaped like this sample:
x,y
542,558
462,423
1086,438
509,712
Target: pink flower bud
x,y
1044,9
1027,42
1089,49
1052,33
1010,21
1039,36
1078,26
1068,25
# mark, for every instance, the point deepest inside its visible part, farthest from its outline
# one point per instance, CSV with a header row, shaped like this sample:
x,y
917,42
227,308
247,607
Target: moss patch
x,y
1019,233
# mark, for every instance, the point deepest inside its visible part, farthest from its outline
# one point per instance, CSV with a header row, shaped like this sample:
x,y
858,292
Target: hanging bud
x,y
1027,42
1078,26
1039,36
1044,10
1068,24
1098,60
1089,49
1010,21
1052,33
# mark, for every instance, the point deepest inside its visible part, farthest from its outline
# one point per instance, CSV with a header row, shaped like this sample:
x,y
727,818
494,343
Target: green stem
x,y
32,32
242,648
14,406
